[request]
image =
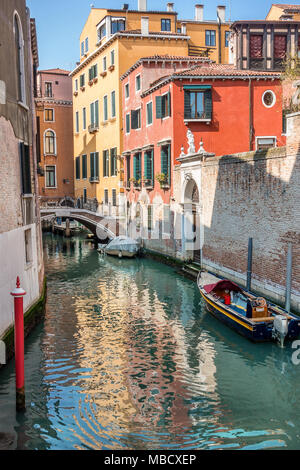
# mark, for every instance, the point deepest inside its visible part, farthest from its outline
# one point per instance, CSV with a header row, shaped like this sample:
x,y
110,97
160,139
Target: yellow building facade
x,y
283,12
110,43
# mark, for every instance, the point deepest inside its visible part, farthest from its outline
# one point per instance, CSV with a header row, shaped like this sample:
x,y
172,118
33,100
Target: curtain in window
x,y
280,46
256,46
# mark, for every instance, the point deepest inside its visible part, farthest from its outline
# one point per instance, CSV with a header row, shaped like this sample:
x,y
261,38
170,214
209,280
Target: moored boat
x,y
245,313
121,246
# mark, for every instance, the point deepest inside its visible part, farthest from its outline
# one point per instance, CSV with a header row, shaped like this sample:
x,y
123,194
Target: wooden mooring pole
x,y
288,288
18,295
249,267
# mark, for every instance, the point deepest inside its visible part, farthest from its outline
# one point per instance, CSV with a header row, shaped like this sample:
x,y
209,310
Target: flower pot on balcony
x,y
111,68
103,74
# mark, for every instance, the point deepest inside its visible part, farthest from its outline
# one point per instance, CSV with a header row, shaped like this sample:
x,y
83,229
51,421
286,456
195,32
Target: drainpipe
x,y
250,115
220,39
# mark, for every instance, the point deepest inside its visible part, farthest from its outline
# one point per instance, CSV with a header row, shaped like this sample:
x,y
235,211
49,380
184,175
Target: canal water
x,y
129,358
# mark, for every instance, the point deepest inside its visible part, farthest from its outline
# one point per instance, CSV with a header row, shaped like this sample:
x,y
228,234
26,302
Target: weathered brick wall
x,y
255,195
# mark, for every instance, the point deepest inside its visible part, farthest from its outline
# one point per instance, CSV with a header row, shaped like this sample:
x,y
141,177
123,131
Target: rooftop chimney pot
x,y
199,12
221,10
142,5
170,6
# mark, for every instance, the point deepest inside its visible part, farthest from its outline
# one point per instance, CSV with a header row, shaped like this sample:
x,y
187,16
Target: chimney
x,y
221,13
183,28
170,6
145,25
199,12
142,5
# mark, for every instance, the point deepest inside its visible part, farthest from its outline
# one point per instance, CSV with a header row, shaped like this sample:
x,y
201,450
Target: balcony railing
x,y
192,116
93,128
94,179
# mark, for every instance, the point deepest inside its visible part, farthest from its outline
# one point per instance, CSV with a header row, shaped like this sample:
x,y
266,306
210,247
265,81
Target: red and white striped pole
x,y
18,295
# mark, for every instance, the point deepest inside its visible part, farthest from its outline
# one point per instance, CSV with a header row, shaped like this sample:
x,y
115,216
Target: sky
x,y
59,22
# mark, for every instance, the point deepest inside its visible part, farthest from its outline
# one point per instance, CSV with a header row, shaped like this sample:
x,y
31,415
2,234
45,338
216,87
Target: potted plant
x,y
163,180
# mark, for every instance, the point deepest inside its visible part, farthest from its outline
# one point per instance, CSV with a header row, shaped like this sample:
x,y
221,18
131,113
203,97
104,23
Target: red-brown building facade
x,y
55,122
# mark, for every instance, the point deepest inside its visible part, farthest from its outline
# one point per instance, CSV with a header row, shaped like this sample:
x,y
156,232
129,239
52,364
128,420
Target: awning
x,y
225,284
197,87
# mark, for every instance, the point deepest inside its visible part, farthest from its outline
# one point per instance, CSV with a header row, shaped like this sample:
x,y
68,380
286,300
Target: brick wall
x,y
256,195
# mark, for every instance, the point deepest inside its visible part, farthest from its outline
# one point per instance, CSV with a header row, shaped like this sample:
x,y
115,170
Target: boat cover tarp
x,y
224,284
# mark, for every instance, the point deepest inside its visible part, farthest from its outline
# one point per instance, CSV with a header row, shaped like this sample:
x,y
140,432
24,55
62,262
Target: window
x,y
149,113
82,48
94,166
127,123
105,163
49,115
102,32
256,46
104,64
50,176
128,172
112,57
148,167
113,162
48,90
210,37
84,167
93,72
94,113
198,104
105,109
263,143
105,196
117,25
137,83
269,99
150,218
84,119
227,37
50,143
19,48
84,195
114,197
179,30
28,246
76,84
280,46
137,167
82,80
25,169
165,25
77,168
127,90
86,43
77,122
165,154
113,104
136,119
163,106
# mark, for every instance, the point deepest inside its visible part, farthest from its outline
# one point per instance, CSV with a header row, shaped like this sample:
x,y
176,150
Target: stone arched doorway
x,y
192,209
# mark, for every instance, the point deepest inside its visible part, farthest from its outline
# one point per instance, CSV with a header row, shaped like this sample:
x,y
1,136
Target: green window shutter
x,y
187,105
95,71
208,104
104,162
92,165
148,165
127,123
164,161
90,74
92,113
135,167
169,104
134,120
97,164
158,103
97,113
78,168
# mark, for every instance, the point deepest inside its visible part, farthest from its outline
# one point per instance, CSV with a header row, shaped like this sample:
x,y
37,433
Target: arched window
x,y
50,142
19,48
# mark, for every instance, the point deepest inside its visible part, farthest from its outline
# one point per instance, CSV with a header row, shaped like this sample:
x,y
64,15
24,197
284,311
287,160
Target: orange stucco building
x,y
54,109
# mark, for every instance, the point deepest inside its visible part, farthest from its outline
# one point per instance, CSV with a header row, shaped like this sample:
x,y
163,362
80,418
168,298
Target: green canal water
x,y
129,358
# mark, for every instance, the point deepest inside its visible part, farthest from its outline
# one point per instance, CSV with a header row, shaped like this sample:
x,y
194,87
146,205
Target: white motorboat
x,y
121,246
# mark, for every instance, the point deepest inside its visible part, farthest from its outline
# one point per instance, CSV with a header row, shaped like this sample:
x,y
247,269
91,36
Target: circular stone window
x,y
269,99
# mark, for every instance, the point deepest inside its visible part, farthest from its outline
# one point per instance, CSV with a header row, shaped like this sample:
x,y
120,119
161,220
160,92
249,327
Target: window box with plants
x,y
163,180
136,183
82,88
148,183
103,74
111,68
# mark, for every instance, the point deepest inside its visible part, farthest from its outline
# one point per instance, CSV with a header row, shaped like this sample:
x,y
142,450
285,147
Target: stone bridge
x,y
101,226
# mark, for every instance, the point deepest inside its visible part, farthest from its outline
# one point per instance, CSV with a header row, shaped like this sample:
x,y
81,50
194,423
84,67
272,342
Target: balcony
x,y
93,128
94,179
194,117
148,184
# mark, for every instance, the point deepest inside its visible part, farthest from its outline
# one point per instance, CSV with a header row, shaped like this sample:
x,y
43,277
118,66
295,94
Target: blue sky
x,y
59,22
